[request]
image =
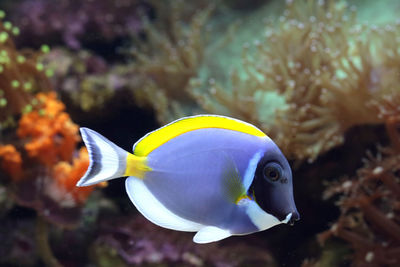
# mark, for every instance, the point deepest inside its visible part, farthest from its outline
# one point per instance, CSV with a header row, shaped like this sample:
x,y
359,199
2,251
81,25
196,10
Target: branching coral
x,y
370,211
21,73
325,68
370,202
169,58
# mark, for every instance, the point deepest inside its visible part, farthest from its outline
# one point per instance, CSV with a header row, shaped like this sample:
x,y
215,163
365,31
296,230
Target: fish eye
x,y
272,171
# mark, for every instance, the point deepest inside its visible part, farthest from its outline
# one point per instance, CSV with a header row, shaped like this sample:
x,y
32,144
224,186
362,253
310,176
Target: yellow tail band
x,y
136,166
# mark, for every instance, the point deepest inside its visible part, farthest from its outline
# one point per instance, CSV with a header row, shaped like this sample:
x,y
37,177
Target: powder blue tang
x,y
209,174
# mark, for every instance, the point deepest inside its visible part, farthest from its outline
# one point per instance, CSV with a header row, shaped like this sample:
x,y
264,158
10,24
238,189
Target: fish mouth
x,y
288,219
291,218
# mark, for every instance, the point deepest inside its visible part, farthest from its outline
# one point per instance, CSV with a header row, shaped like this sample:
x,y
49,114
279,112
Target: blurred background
x,y
321,78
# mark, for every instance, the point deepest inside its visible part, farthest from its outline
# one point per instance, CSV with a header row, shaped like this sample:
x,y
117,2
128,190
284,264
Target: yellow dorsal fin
x,y
158,137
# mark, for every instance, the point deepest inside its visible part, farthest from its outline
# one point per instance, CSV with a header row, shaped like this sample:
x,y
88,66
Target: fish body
x,y
204,174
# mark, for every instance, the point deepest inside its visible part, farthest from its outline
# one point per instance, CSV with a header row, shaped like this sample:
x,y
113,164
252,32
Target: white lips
x,y
288,217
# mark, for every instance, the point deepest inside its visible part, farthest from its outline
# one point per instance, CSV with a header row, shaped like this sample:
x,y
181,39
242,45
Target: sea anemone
x,y
168,59
318,70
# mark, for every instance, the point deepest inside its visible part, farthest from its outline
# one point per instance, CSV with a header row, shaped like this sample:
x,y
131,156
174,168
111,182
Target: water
x,y
319,77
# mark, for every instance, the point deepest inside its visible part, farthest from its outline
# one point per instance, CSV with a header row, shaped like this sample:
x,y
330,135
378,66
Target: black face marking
x,y
272,185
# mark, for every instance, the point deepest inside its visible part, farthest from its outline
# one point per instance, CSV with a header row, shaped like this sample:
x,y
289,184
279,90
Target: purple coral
x,y
74,22
137,241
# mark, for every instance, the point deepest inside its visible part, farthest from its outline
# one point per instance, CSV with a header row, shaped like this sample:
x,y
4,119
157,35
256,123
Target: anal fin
x,y
210,234
154,210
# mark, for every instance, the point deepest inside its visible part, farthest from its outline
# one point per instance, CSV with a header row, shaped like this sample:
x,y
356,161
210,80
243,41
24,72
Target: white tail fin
x,y
107,160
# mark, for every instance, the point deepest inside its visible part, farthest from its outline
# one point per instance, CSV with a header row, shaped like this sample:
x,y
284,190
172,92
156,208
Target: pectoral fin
x,y
232,182
210,234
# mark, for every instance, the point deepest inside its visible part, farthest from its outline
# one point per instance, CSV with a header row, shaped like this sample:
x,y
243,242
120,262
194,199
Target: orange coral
x,y
12,161
53,135
51,139
66,176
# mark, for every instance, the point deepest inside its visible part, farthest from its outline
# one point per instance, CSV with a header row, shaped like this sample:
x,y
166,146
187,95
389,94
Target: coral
x,y
85,78
370,202
306,78
50,139
389,111
73,22
159,68
50,171
319,70
46,177
370,211
21,73
168,59
65,177
18,244
11,161
53,136
139,242
6,201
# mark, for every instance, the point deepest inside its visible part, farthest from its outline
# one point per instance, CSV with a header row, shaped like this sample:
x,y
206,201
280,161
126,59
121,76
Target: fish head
x,y
272,186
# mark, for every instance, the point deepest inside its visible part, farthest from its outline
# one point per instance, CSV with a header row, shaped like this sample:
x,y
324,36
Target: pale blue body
x,y
189,182
213,181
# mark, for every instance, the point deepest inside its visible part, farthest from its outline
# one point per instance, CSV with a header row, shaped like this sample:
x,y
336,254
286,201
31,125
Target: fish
x,y
210,174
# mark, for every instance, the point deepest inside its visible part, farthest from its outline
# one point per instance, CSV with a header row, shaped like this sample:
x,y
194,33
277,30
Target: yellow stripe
x,y
158,137
136,166
244,196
